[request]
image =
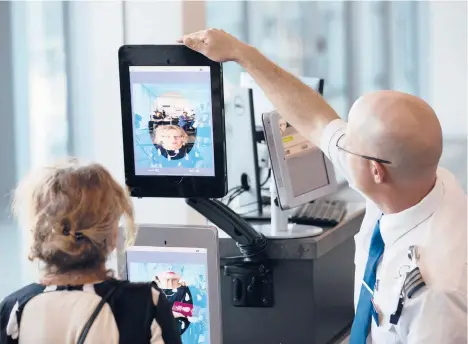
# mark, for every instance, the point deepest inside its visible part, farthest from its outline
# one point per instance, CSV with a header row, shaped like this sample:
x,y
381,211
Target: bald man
x,y
410,279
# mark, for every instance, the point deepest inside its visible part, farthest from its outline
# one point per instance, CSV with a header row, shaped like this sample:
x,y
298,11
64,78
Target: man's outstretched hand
x,y
297,103
215,44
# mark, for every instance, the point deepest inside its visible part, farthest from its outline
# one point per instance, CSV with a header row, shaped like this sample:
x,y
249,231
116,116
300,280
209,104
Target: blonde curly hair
x,y
72,212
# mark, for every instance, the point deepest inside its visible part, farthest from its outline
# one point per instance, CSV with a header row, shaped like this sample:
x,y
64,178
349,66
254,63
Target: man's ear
x,y
378,172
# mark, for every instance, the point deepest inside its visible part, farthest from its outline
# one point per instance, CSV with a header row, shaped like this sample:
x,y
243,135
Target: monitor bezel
x,y
172,186
282,179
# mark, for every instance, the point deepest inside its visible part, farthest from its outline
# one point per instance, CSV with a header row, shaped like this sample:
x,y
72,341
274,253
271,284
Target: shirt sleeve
x,y
164,329
332,133
435,317
6,314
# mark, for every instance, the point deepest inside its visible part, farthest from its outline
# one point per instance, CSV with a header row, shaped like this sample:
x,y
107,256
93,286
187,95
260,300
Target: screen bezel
x,y
283,182
184,236
172,186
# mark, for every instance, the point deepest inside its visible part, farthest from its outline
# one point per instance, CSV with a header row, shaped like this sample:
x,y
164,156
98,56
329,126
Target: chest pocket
x,y
391,296
386,297
386,301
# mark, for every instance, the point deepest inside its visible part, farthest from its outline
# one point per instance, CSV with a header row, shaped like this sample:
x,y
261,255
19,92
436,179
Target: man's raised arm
x,y
297,103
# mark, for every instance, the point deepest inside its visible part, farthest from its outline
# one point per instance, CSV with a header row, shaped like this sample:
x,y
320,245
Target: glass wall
x,y
352,45
47,81
356,46
34,37
405,30
229,16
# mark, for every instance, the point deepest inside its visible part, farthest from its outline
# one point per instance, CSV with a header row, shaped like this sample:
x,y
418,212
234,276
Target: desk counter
x,y
313,282
311,247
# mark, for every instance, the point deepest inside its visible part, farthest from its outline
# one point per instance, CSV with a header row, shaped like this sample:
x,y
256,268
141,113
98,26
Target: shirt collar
x,y
394,226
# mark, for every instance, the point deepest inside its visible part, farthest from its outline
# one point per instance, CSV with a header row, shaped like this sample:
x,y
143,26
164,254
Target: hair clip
x,y
66,229
79,236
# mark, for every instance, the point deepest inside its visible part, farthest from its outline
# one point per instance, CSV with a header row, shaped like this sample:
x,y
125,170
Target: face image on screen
x,y
305,162
182,275
172,120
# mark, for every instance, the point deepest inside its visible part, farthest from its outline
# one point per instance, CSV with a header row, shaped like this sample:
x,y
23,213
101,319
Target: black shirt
x,y
135,313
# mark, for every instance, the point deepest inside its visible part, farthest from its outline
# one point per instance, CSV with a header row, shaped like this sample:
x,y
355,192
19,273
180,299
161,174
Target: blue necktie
x,y
362,319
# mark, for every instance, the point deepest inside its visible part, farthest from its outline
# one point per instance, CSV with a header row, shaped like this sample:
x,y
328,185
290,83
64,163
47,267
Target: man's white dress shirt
x,y
437,313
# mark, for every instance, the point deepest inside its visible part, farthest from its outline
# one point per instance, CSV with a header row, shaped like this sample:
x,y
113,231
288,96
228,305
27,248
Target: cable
x,y
245,186
267,178
266,200
234,189
248,212
252,250
239,192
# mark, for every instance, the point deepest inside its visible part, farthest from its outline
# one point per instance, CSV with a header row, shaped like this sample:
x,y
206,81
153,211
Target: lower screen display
x,y
172,120
182,275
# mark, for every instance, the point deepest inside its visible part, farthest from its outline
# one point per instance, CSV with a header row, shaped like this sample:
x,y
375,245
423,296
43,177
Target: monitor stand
x,y
280,228
292,231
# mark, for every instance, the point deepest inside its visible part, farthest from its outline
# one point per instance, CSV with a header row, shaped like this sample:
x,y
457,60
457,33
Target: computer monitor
x,y
241,150
302,173
183,261
263,105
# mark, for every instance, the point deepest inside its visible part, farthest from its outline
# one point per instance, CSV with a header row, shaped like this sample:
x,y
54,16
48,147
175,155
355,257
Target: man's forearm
x,y
297,103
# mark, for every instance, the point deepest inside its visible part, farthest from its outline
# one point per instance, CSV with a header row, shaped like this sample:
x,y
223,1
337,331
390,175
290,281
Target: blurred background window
x,y
47,79
355,46
359,47
34,128
59,82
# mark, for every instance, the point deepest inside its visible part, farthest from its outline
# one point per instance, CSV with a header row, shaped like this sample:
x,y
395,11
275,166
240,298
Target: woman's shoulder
x,y
16,301
20,297
23,294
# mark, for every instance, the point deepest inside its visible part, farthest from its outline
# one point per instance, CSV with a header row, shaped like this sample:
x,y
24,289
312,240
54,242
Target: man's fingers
x,y
190,42
194,40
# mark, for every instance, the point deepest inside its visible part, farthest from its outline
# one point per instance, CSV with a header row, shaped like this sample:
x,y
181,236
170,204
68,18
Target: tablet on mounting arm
x,y
172,122
184,263
301,171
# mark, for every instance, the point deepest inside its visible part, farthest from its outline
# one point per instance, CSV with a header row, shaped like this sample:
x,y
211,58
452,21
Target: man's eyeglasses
x,y
360,155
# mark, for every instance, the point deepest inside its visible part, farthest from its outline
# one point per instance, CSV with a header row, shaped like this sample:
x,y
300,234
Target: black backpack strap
x,y
92,318
133,311
17,300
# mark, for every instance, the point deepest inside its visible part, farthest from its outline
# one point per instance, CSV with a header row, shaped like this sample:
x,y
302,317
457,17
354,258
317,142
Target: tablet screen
x,y
182,275
172,120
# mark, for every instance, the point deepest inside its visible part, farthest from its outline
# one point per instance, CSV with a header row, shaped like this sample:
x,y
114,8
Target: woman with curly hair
x,y
72,212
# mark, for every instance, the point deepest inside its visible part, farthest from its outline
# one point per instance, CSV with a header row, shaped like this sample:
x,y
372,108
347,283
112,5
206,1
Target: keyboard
x,y
321,213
